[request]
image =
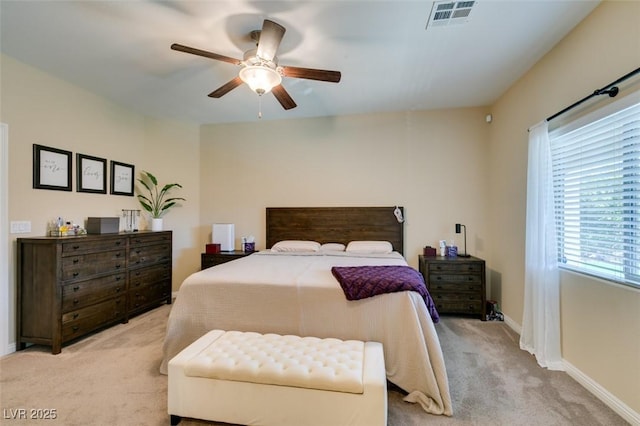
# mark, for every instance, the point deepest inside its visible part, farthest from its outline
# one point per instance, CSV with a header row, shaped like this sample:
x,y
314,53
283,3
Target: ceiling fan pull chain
x,y
259,106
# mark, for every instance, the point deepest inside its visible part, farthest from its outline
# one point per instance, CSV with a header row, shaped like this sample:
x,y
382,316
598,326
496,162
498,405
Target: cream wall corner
x,y
40,109
431,162
600,321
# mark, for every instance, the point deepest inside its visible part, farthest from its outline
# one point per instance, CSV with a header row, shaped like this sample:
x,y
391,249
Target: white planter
x,y
156,224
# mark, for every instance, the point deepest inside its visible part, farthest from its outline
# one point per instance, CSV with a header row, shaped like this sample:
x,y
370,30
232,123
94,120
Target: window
x,y
596,181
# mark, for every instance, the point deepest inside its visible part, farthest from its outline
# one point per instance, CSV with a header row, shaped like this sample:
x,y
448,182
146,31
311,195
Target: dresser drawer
x,y
149,239
83,293
81,321
149,295
442,286
81,247
144,276
454,278
459,307
456,267
84,266
459,297
146,255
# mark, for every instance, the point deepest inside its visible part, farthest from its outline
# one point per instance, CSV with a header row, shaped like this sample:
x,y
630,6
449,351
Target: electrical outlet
x,y
20,226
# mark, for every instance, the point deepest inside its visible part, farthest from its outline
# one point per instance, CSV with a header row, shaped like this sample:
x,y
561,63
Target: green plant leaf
x,y
156,203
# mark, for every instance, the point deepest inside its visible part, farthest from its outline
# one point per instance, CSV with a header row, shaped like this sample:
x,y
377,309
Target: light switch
x,y
20,226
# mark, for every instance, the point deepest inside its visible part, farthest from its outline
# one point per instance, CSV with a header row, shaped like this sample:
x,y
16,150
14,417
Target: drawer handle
x,y
118,266
118,254
75,274
118,278
76,301
76,247
438,278
138,251
75,261
76,287
118,243
117,289
75,328
75,315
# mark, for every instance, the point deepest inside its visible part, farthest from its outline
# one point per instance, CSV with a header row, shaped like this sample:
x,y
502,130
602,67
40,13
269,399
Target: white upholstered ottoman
x,y
267,379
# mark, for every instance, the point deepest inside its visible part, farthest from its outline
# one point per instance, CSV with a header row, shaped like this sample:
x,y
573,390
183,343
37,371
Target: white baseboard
x,y
622,409
610,400
9,349
512,324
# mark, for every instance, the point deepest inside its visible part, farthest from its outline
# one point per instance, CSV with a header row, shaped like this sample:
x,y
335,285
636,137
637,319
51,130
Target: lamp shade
x,y
260,79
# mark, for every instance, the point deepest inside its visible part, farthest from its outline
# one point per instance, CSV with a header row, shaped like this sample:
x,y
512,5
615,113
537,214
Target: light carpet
x,y
112,378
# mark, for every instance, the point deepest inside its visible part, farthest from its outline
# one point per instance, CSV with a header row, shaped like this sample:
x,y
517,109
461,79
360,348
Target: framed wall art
x,y
122,176
91,174
51,168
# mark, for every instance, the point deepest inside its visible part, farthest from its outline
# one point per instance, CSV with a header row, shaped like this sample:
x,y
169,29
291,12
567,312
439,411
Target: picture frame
x,y
91,174
51,168
122,176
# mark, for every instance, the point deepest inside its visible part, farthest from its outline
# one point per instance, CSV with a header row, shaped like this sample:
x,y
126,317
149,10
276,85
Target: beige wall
x,y
40,109
431,162
600,321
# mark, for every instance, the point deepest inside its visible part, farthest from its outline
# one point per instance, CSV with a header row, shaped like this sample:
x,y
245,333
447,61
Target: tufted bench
x,y
267,379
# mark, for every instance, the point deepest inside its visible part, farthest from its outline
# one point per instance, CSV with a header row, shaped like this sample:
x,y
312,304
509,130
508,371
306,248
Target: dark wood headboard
x,y
335,225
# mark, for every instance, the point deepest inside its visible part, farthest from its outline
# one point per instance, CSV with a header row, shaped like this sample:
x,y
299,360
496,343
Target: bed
x,y
295,292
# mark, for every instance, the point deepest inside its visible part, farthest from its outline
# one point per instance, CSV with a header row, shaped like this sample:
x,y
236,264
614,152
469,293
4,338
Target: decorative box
x,y
103,225
212,248
429,251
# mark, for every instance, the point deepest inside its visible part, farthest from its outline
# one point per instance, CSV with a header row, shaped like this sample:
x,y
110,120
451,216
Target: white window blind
x,y
596,180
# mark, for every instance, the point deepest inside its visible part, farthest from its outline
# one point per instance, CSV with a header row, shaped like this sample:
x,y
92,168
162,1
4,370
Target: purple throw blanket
x,y
360,282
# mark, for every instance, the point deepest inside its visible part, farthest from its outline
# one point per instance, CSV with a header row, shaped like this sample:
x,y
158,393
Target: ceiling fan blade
x,y
226,88
312,74
210,55
283,97
270,38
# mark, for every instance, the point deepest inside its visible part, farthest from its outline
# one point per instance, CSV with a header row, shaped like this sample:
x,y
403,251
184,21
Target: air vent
x,y
450,13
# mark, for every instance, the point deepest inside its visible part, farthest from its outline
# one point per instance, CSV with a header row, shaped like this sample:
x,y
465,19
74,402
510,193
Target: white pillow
x,y
332,247
296,246
369,247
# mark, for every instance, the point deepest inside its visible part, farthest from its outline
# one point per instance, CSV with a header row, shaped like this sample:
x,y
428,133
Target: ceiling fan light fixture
x,y
260,79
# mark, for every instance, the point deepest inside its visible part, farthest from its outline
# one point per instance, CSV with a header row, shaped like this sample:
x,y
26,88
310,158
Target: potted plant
x,y
156,202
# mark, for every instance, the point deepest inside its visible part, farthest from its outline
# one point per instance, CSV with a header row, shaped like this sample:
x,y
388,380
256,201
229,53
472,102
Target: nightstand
x,y
208,260
457,284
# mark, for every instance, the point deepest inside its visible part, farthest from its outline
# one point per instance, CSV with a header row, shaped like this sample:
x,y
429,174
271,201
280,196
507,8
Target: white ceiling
x,y
389,61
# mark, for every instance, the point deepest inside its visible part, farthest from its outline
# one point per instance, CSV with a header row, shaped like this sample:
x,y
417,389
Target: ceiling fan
x,y
260,69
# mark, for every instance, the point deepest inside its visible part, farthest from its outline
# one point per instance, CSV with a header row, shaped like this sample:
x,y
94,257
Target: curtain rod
x,y
610,89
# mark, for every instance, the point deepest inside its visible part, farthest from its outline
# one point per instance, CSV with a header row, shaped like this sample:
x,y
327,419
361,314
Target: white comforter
x,y
297,294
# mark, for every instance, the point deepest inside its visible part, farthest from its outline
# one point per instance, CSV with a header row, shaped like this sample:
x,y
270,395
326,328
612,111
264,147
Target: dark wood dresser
x,y
71,286
207,260
457,284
